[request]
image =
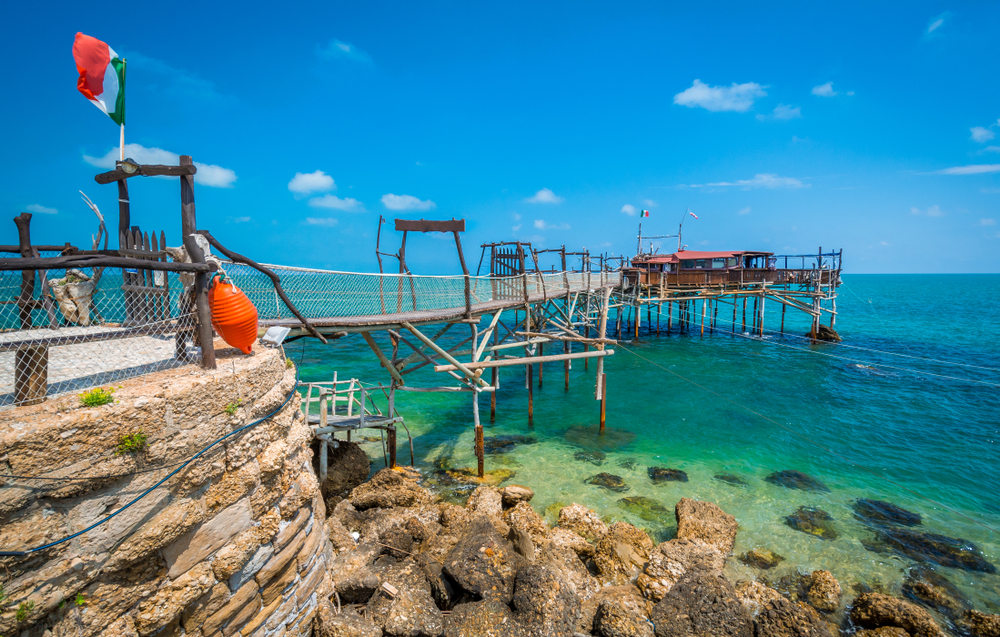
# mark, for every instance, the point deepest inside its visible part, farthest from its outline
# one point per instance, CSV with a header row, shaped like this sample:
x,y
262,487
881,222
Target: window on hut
x,y
687,264
718,264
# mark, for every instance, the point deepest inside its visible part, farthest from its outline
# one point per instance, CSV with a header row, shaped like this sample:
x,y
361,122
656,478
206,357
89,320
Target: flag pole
x,y
121,144
121,139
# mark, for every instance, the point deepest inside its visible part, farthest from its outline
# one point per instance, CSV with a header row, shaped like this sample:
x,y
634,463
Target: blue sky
x,y
870,127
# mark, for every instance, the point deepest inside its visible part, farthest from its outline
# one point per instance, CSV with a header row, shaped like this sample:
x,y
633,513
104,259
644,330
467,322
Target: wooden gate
x,y
146,292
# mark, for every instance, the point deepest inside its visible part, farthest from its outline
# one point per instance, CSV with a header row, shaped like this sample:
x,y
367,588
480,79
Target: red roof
x,y
697,254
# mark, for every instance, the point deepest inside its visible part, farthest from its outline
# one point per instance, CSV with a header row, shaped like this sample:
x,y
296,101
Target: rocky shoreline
x,y
408,563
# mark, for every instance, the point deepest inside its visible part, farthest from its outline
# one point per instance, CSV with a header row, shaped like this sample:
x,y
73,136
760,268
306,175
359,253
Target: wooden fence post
x,y
188,226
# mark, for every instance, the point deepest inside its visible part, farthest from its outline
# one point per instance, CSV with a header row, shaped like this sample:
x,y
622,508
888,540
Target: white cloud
x,y
883,243
649,203
936,24
629,209
207,175
744,211
516,216
325,222
933,211
759,181
987,222
541,225
974,169
309,183
40,209
981,135
738,97
824,90
241,219
336,203
338,50
782,111
544,196
406,202
992,149
516,228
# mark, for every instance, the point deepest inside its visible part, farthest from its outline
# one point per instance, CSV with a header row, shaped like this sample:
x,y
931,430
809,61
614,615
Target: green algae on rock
x,y
608,481
662,474
646,508
814,521
796,480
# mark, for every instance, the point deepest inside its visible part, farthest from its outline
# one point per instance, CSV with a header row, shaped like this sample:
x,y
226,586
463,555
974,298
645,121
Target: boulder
x,y
885,631
340,538
608,481
355,573
702,604
406,609
351,518
514,493
523,518
814,521
981,624
347,466
825,333
522,543
875,610
441,588
878,512
564,538
616,618
627,596
486,500
389,488
622,553
663,474
755,595
583,522
761,558
944,550
824,591
568,567
379,522
480,619
483,564
670,561
782,618
796,480
932,589
347,623
705,521
544,604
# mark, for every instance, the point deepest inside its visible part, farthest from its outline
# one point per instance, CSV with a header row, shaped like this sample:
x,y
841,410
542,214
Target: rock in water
x,y
944,550
814,521
503,444
729,478
608,481
931,589
480,619
702,603
645,508
782,618
981,624
628,463
465,475
761,558
824,591
593,457
662,474
705,521
796,480
879,512
622,553
874,610
514,493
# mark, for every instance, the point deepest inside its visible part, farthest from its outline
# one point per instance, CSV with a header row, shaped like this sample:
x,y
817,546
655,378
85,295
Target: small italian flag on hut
x,y
102,76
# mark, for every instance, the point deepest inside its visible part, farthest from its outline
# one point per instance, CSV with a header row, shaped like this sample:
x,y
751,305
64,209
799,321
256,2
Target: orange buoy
x,y
234,317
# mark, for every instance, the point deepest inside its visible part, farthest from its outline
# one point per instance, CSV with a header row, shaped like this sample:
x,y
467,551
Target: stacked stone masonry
x,y
235,544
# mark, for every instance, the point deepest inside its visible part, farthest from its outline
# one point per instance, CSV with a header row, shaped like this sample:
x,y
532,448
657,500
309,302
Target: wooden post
x,y
188,226
744,315
601,390
541,352
760,324
323,450
391,441
734,316
755,316
566,350
124,221
494,377
26,300
784,307
704,303
715,314
531,397
31,374
604,398
480,450
670,316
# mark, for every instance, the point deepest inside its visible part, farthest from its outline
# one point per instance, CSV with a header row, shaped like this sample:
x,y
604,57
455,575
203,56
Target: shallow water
x,y
908,429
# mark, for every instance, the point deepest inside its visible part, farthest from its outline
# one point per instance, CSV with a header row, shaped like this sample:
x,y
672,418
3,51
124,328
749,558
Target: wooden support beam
x,y
529,360
188,226
428,225
455,364
386,363
147,170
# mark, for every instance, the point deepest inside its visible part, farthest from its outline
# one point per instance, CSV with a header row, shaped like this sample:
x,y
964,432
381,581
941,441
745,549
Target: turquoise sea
x,y
906,410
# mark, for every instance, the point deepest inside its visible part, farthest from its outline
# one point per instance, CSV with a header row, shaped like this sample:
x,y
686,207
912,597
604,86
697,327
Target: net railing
x,y
89,328
328,294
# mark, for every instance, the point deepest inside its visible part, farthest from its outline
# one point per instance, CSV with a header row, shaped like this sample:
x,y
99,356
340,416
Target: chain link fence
x,y
87,328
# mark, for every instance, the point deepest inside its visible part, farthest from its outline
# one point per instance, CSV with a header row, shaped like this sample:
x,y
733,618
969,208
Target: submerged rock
x,y
645,508
608,481
761,558
944,550
628,463
702,603
879,512
874,610
796,480
930,588
705,521
593,457
504,444
662,474
467,475
981,624
593,438
729,478
814,521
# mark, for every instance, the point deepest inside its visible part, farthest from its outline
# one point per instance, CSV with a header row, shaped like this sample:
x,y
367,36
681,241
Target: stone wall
x,y
234,544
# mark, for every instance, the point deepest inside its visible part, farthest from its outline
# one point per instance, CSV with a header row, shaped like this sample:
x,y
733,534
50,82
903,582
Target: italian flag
x,y
102,76
643,213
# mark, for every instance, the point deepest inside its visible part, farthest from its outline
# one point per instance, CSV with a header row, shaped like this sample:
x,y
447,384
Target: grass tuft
x,y
233,406
98,396
135,442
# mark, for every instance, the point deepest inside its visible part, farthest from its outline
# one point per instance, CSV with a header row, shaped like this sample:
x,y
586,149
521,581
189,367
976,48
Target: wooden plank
x,y
386,363
84,261
147,170
428,225
31,374
529,360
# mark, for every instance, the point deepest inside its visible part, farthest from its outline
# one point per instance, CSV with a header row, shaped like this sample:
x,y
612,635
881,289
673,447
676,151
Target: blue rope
x,y
158,484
